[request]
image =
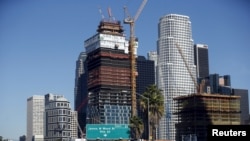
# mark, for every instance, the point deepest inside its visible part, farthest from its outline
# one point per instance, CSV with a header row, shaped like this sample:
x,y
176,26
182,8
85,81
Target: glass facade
x,y
80,90
244,105
146,74
173,76
117,114
201,60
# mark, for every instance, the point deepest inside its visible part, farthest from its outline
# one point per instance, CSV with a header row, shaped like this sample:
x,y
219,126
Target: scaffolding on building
x,y
195,112
109,77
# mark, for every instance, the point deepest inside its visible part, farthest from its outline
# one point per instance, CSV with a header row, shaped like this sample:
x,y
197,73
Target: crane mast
x,y
131,22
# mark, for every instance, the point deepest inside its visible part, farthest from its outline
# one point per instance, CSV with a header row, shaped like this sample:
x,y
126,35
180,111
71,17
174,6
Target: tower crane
x,y
131,21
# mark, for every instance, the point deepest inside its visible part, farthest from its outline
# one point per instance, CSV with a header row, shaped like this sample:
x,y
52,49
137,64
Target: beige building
x,y
35,120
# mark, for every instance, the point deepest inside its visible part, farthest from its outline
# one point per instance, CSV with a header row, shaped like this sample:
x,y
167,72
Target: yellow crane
x,y
131,21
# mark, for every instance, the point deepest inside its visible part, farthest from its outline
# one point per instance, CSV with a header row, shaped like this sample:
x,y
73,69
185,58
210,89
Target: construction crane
x,y
111,17
131,21
78,110
100,11
79,127
199,89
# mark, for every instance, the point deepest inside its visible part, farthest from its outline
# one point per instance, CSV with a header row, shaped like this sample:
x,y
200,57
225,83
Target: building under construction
x,y
197,111
109,75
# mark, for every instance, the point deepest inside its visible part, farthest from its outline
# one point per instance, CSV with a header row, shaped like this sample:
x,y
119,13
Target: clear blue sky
x,y
40,41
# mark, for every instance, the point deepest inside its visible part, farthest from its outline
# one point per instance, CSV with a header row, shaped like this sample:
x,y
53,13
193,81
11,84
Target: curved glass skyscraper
x,y
173,76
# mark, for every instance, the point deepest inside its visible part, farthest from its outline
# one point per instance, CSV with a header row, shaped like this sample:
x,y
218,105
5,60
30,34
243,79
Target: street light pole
x,y
148,115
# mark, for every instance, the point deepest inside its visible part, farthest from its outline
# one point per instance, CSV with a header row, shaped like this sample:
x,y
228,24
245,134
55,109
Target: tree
x,y
136,126
156,106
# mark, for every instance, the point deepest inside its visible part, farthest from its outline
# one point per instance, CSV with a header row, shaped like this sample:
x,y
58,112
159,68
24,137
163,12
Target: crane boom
x,y
79,127
100,11
131,22
186,65
140,9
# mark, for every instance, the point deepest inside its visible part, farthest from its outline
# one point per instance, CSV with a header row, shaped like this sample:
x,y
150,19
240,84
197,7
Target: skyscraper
x,y
109,84
174,77
145,78
146,74
244,105
201,60
35,121
81,89
220,84
152,55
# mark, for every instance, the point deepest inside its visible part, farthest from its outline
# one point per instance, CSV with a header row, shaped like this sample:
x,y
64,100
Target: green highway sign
x,y
107,131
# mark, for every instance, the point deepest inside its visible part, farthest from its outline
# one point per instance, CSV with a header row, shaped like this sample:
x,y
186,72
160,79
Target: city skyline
x,y
40,42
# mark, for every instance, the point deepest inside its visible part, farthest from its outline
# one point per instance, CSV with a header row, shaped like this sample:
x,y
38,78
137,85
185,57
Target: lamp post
x,y
148,115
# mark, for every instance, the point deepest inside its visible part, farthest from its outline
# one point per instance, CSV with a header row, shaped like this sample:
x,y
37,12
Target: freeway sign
x,y
107,131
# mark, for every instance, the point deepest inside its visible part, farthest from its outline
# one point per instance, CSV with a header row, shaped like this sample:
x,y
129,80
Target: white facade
x,y
74,124
108,41
173,76
35,114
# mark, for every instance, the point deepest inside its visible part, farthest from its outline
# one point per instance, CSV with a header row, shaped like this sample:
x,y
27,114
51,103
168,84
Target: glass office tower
x,y
80,90
174,74
201,60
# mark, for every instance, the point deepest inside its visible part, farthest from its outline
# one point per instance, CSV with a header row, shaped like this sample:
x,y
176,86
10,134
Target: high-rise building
x,y
244,104
81,90
60,120
220,84
145,78
175,74
214,83
225,85
146,74
109,75
152,55
225,80
35,120
201,60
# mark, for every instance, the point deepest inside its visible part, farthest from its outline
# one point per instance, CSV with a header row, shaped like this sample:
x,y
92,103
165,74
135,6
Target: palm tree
x,y
156,106
136,126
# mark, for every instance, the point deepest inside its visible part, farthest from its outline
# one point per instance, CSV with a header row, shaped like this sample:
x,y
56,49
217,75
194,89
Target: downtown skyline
x,y
40,42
